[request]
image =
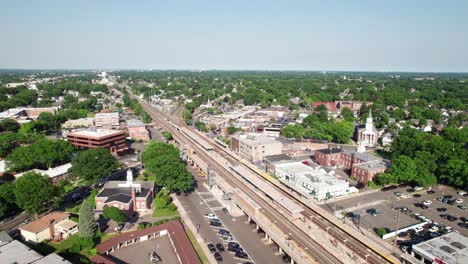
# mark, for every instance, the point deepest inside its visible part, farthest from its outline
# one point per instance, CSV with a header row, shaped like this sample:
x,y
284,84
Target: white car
x,y
418,229
461,192
211,216
427,202
459,201
418,188
434,229
448,229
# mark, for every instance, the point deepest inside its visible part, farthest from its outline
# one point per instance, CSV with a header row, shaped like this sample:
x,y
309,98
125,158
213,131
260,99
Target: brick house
x,y
137,130
331,106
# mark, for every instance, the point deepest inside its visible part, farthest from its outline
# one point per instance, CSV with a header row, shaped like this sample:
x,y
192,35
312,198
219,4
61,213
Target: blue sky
x,y
262,35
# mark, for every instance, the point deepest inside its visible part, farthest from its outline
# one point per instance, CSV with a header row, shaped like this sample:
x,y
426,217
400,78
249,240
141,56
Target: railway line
x,y
367,252
316,251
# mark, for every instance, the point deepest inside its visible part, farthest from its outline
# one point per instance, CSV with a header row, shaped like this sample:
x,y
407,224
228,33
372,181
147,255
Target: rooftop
x,y
135,123
367,156
372,165
255,140
317,177
17,252
450,248
51,172
107,115
330,150
279,157
95,132
43,222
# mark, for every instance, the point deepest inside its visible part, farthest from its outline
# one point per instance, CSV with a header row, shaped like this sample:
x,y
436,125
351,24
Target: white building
x,y
367,134
450,249
107,119
55,174
312,183
255,147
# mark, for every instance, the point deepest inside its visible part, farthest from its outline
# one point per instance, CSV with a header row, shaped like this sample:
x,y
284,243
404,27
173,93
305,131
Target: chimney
x,y
51,229
134,199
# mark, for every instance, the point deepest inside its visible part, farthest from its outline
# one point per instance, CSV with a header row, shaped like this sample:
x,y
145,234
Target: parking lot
x,y
387,204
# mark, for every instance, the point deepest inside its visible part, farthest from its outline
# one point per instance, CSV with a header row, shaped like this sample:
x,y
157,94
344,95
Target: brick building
x,y
127,195
331,106
113,140
137,130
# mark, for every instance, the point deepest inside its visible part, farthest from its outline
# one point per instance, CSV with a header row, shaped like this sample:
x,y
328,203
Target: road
x,y
318,253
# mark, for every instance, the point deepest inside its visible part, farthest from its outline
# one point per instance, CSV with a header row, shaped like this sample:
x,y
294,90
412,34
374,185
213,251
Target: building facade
x,y
107,119
113,140
53,226
255,147
137,130
367,134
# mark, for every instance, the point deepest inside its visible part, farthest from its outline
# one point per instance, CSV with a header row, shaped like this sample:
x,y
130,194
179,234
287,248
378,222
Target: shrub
x,y
381,231
114,213
141,226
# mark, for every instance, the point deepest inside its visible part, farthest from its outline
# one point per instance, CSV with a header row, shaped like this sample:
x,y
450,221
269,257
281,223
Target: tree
x,y
404,169
201,126
293,131
34,192
86,222
232,129
93,164
9,125
114,213
162,200
347,114
167,135
7,199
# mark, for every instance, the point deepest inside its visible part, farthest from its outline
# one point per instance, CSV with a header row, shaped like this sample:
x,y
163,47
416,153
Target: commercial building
x,y
107,119
80,122
311,182
137,130
113,140
26,114
127,195
255,147
54,226
55,174
451,248
364,165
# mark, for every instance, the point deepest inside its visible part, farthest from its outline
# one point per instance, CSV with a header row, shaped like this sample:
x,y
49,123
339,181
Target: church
x,y
127,195
367,134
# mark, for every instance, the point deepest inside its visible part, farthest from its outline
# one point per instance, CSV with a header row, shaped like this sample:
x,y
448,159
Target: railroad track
x,y
370,254
316,251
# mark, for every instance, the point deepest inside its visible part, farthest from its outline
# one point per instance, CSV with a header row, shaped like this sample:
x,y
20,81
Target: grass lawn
x,y
145,178
75,209
68,188
197,247
164,213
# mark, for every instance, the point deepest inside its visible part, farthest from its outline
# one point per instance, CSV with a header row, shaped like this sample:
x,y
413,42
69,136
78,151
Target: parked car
x,y
418,229
427,202
227,237
388,188
402,234
459,201
220,247
441,209
233,246
448,229
461,192
154,257
463,207
398,194
417,188
430,192
434,229
224,232
373,212
424,207
215,223
211,247
218,257
241,254
464,219
211,216
416,195
286,259
225,210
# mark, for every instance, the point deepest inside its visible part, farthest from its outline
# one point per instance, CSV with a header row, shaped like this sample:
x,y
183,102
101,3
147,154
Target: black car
x,y
452,218
286,259
241,254
464,225
220,247
402,234
441,209
417,195
464,219
388,188
215,223
233,246
424,207
431,192
448,196
224,232
218,257
211,247
225,210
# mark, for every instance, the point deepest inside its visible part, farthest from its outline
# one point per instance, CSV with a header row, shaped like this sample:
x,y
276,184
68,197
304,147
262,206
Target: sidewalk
x,y
188,223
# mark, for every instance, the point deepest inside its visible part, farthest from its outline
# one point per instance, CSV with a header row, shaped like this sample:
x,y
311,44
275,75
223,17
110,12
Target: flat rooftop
x,y
255,140
107,115
317,177
95,132
450,248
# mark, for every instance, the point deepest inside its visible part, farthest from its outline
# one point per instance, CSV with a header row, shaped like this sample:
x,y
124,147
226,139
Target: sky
x,y
330,35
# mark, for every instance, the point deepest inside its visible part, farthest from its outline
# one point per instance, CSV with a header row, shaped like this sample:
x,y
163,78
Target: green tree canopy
x,y
34,192
86,223
93,164
114,213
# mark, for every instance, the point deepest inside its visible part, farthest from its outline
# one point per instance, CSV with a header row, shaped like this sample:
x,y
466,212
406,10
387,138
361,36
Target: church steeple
x,y
369,122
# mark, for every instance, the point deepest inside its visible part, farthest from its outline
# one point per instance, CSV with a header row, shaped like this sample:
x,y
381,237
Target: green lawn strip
x,y
197,247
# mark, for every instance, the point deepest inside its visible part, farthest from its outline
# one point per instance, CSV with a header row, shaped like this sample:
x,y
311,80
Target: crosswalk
x,y
210,199
204,193
217,208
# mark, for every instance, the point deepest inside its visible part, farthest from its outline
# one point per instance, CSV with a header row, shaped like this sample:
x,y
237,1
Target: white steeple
x,y
369,122
129,177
